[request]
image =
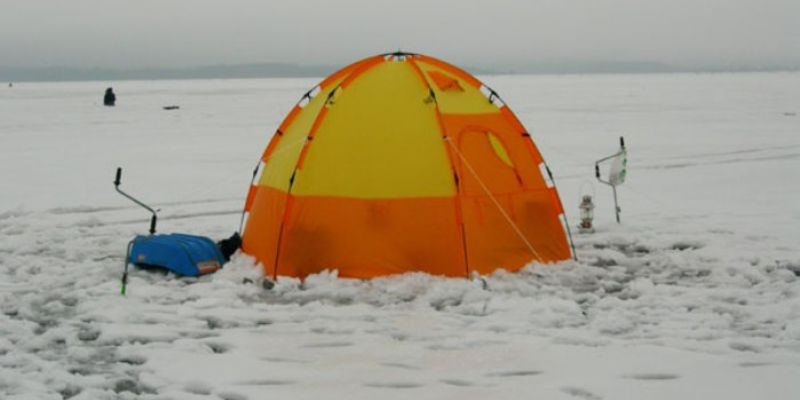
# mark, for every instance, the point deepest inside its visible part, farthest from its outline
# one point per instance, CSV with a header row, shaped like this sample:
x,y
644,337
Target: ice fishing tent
x,y
396,163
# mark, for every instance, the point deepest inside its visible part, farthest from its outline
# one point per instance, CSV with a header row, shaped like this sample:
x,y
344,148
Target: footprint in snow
x,y
399,365
744,347
512,374
652,376
327,344
88,334
750,364
214,323
69,391
629,249
328,331
218,348
198,388
483,343
603,262
581,393
267,382
444,347
284,360
393,385
129,385
456,382
231,396
682,246
132,359
200,335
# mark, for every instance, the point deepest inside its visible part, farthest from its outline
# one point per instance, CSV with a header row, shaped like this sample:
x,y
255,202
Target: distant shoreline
x,y
286,70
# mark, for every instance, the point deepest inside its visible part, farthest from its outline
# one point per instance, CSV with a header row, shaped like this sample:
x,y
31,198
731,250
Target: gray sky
x,y
499,34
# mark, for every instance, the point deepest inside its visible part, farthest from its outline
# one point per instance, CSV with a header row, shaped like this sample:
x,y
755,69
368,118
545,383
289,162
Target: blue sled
x,y
185,255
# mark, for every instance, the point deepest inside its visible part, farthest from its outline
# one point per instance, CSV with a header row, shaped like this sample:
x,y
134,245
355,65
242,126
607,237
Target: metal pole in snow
x,y
613,181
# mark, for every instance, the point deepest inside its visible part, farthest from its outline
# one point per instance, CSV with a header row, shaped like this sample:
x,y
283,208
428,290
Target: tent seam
x,y
309,139
456,179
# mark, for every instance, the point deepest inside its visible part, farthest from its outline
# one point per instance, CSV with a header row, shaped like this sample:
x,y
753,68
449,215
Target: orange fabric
x,y
556,201
460,73
366,238
492,242
462,235
346,71
512,119
271,146
289,118
517,126
526,201
444,82
260,236
251,195
525,162
480,160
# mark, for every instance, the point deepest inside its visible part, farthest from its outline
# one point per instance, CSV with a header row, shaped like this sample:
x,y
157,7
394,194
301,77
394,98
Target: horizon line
x,y
294,70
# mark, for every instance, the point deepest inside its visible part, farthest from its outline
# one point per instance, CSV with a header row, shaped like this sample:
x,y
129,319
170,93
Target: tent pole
x,y
569,235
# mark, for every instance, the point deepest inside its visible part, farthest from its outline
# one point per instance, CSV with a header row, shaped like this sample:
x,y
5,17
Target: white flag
x,y
619,168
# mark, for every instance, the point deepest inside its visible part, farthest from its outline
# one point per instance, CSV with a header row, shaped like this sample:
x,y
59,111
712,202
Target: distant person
x,y
10,84
110,98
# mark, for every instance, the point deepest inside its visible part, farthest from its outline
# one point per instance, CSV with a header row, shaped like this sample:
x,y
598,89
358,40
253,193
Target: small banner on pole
x,y
617,171
619,168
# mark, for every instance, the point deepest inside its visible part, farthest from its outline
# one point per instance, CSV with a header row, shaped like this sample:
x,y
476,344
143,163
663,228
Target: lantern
x,y
587,215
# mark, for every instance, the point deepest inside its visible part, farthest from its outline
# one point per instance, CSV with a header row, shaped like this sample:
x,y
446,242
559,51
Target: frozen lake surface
x,y
695,295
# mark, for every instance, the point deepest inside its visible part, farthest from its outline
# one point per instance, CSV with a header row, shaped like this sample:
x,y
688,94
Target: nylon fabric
x,y
283,159
399,164
363,238
468,100
260,236
525,161
493,242
379,139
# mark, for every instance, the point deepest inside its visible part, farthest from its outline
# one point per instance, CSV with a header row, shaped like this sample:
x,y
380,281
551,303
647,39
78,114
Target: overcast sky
x,y
498,34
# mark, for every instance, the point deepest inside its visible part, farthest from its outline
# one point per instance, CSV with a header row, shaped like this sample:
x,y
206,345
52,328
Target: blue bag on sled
x,y
185,255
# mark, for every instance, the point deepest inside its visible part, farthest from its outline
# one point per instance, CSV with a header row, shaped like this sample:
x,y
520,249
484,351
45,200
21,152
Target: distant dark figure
x,y
10,84
110,98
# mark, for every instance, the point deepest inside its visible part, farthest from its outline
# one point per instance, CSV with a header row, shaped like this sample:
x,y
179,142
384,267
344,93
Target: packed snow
x,y
695,295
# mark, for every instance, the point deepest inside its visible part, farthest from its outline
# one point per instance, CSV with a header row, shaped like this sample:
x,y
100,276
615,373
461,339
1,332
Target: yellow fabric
x,y
499,149
470,100
282,161
380,139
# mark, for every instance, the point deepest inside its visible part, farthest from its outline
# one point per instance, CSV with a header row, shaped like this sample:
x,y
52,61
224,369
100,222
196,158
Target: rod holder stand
x,y
154,218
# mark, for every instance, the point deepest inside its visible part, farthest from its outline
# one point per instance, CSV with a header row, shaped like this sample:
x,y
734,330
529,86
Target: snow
x,y
694,295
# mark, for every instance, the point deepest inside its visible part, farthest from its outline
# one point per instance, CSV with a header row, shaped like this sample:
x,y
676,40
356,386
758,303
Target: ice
x,y
695,295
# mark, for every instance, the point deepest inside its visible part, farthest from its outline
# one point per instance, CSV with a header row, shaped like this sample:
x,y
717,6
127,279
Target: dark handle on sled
x,y
117,181
119,176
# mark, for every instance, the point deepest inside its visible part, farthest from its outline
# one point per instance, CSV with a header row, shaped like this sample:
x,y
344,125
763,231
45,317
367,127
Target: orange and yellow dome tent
x,y
397,163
